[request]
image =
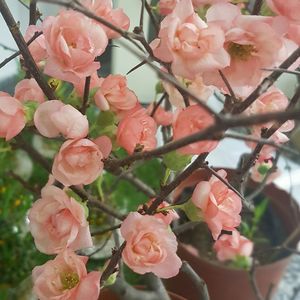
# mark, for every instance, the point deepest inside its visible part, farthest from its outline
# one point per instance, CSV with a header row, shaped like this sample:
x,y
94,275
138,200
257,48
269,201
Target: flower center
x,y
69,280
241,52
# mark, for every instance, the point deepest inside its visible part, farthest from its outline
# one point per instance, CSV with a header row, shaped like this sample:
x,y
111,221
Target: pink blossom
x,y
220,206
191,120
287,8
165,7
137,130
261,169
58,221
104,9
12,116
72,46
54,117
66,278
78,162
202,3
161,116
94,83
189,44
115,95
252,43
28,89
150,246
167,216
38,47
229,247
195,86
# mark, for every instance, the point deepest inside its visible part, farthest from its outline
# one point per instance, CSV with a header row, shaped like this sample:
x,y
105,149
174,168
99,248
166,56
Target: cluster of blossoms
x,y
240,46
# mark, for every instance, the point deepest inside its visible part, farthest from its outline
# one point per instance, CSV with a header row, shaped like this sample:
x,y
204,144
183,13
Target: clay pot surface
x,y
225,283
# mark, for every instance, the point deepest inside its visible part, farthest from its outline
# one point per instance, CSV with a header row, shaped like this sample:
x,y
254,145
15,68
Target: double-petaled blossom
x,y
105,10
137,132
66,278
189,44
191,120
150,246
12,116
58,221
229,247
165,7
79,161
195,86
73,41
114,94
203,3
252,43
287,8
29,90
53,118
38,47
219,206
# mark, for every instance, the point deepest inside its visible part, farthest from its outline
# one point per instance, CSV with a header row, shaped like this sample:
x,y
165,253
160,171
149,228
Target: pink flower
x,y
287,8
167,216
191,120
137,132
161,116
150,246
202,3
196,86
12,116
104,9
229,247
251,42
66,278
28,89
219,205
115,95
38,47
58,221
189,44
78,162
54,117
261,169
72,45
165,7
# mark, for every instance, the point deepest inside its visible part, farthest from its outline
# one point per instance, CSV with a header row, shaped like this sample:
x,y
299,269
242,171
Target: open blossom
x,y
104,9
72,45
165,7
28,89
58,221
161,116
189,44
195,86
252,44
12,116
150,246
220,206
137,131
38,47
114,94
229,247
53,118
66,278
191,120
78,162
168,216
287,8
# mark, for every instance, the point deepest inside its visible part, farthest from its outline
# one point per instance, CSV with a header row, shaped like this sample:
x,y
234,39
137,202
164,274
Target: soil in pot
x,y
224,281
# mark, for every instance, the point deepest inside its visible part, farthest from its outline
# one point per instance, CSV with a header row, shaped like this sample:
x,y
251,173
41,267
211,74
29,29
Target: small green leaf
x,y
29,109
191,211
176,161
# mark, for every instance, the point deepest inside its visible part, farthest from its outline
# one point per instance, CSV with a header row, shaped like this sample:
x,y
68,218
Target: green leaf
x,y
241,262
176,161
191,211
30,108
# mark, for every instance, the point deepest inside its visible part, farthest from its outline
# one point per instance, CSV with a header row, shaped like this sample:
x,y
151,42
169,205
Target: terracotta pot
x,y
107,294
226,283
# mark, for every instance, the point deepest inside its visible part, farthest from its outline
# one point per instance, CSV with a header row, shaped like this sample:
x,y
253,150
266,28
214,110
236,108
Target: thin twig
x,y
283,71
197,280
230,90
257,7
136,67
7,48
32,12
86,94
156,106
153,19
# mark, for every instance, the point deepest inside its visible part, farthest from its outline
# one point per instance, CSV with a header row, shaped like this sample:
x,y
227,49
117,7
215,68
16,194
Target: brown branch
x,y
257,7
86,94
196,279
17,53
167,189
32,12
230,90
283,71
153,19
156,106
28,59
266,83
